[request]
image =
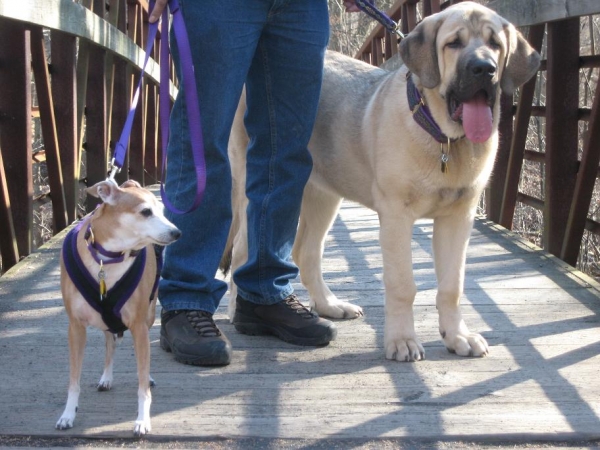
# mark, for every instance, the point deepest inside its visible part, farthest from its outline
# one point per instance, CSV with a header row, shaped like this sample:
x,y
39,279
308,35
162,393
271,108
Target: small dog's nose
x,y
482,67
175,234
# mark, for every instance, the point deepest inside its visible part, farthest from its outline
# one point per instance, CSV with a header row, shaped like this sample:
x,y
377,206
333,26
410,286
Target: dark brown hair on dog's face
x,y
433,49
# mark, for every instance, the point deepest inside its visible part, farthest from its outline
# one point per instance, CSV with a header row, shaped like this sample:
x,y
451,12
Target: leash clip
x,y
398,33
114,169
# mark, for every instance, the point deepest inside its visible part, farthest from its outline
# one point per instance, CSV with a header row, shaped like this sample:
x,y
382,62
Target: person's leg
x,y
283,88
223,38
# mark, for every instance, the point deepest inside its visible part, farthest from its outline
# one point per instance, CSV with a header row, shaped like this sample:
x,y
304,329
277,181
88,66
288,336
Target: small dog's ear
x,y
131,183
419,51
106,190
522,60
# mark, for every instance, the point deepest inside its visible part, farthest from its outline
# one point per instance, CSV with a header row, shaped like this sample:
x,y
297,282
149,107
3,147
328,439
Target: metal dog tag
x,y
102,282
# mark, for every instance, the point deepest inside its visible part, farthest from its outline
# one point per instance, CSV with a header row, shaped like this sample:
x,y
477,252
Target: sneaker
x,y
194,338
289,320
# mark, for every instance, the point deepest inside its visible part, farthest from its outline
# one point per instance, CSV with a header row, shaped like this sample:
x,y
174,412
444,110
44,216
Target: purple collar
x,y
422,114
100,254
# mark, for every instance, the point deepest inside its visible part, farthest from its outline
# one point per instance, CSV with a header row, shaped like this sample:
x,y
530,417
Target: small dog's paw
x,y
104,385
404,349
65,422
142,427
338,309
466,344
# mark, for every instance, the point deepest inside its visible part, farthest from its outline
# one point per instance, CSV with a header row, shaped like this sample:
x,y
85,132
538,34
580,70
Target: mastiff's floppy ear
x,y
419,51
522,61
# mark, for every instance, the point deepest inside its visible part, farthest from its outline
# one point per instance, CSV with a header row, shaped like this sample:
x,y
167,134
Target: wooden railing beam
x,y
63,49
15,127
584,187
8,237
562,101
519,137
48,122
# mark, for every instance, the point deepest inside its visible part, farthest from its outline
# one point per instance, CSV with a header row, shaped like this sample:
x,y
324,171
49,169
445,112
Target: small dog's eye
x,y
146,212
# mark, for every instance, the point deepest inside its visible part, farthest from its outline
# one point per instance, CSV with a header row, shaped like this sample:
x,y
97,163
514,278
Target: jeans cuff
x,y
261,300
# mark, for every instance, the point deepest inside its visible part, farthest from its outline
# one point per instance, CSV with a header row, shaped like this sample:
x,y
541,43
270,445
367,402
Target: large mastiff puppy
x,y
377,142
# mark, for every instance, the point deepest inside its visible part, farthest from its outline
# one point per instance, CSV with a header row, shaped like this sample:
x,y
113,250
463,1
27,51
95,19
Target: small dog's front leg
x,y
141,343
77,338
106,380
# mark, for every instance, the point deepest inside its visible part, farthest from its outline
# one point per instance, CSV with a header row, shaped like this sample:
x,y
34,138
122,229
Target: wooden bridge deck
x,y
540,381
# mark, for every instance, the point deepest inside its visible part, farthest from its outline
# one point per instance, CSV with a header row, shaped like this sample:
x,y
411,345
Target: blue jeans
x,y
276,47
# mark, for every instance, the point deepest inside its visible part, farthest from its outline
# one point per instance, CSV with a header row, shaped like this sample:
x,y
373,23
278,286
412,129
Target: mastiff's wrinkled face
x,y
467,54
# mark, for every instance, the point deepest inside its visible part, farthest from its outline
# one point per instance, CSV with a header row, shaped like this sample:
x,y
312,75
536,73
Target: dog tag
x,y
444,160
102,282
444,157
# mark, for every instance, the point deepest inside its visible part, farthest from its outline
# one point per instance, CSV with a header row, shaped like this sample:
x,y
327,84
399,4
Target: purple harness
x,y
109,305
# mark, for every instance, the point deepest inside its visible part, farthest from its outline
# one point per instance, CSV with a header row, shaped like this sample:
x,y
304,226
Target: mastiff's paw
x,y
465,343
404,349
337,309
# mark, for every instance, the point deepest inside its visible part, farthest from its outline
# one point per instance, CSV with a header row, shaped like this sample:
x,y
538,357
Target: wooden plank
x,y
8,237
137,138
63,50
151,139
73,18
96,145
539,381
49,132
524,13
15,128
121,95
395,12
496,184
519,138
562,101
584,187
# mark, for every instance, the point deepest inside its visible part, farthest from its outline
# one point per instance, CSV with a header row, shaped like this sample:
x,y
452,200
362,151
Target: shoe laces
x,y
203,323
294,304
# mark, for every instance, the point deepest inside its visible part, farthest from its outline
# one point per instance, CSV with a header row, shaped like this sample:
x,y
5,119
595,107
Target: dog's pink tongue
x,y
477,119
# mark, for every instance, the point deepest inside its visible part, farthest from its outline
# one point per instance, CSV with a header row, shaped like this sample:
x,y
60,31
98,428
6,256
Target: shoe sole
x,y
188,359
256,329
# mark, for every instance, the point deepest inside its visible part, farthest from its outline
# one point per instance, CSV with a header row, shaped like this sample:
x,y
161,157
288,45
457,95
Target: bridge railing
x,y
85,56
81,61
572,152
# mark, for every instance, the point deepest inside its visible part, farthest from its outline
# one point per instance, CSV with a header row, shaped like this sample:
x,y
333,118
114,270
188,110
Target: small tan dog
x,y
109,275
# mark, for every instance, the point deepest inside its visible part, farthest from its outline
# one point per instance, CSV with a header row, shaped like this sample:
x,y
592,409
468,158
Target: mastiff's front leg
x,y
450,239
400,340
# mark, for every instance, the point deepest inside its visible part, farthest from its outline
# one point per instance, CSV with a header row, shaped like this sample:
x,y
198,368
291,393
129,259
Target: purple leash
x,y
368,7
189,84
